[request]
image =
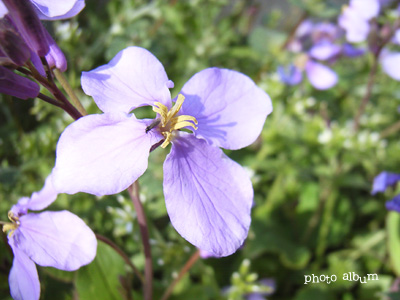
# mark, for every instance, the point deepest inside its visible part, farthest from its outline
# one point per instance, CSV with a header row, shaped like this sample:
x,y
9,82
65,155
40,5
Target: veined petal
x,y
57,10
208,196
16,85
229,107
102,154
390,64
23,279
320,76
133,78
56,239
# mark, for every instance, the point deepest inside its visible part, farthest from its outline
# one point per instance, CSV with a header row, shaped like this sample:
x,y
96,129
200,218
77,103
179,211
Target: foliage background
x,y
312,173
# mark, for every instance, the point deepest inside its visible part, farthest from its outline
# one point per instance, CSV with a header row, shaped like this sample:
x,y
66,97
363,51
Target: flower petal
x,y
208,196
290,75
56,239
324,50
57,10
55,57
23,279
390,64
133,78
16,85
230,108
356,27
367,9
394,204
102,154
320,76
383,180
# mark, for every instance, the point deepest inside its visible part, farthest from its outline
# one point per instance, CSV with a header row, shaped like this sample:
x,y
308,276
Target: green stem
x,y
70,92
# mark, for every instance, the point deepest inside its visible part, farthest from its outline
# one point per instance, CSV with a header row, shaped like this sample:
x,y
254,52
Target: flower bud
x,y
25,19
16,85
12,44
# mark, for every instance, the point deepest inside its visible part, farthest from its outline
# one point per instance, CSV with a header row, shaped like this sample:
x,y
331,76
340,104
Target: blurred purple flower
x,y
208,196
355,19
267,288
320,76
290,75
383,180
55,239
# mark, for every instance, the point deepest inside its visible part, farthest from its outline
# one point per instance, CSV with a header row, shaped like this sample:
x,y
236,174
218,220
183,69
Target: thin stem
x,y
70,92
367,95
183,271
293,31
372,73
390,130
49,100
121,253
148,271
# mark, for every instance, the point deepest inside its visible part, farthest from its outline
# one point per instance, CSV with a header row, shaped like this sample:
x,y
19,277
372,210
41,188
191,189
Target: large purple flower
x,y
208,196
55,239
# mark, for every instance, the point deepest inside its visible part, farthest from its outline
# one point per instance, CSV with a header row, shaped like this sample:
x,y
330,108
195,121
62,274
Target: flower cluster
x,y
24,40
208,196
50,239
357,20
312,44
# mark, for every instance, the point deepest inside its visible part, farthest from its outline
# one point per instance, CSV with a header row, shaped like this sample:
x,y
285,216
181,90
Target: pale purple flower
x,y
381,183
208,196
321,77
51,239
355,19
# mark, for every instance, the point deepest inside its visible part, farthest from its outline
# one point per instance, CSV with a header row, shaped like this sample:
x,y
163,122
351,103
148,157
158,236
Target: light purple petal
x,y
23,279
383,180
356,27
133,78
16,85
320,76
55,57
56,239
3,9
230,108
396,38
43,198
367,9
57,10
324,50
102,154
208,196
290,75
391,65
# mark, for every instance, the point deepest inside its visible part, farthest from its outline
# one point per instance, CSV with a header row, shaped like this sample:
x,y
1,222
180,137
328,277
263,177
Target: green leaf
x,y
102,278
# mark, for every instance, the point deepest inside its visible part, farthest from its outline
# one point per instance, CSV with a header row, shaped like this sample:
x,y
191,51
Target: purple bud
x,y
16,85
12,44
27,22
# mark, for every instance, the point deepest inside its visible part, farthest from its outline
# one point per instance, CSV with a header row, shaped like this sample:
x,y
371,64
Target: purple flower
x,y
320,76
24,15
208,196
383,180
16,85
55,239
355,19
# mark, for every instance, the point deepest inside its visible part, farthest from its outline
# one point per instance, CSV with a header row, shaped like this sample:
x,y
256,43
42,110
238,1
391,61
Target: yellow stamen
x,y
11,227
169,121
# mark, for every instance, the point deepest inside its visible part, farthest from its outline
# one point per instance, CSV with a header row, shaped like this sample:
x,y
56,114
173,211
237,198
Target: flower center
x,y
169,122
11,227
